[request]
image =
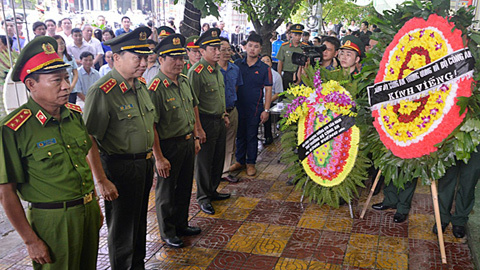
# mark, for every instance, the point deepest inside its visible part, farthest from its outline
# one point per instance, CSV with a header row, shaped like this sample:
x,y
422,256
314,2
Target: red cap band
x,y
38,62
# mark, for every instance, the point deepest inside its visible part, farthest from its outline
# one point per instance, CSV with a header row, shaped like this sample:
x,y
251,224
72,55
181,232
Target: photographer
x,y
332,45
285,53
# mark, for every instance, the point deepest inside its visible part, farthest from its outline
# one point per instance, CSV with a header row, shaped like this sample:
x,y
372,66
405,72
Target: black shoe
x,y
220,196
174,242
268,141
230,178
399,218
381,206
458,231
207,208
188,231
434,229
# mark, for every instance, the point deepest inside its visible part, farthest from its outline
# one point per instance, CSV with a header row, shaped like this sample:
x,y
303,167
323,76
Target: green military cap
x,y
38,56
209,38
191,42
164,31
297,28
172,45
134,42
353,43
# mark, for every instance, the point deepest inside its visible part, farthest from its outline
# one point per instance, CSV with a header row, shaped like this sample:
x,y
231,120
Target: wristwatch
x,y
267,110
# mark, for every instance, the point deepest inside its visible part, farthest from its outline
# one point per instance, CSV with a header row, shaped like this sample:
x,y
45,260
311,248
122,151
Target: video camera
x,y
314,53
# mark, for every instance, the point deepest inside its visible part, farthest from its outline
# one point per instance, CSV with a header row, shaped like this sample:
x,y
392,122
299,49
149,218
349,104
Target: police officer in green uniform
x,y
44,145
193,52
396,198
164,31
458,183
285,52
175,103
207,82
119,115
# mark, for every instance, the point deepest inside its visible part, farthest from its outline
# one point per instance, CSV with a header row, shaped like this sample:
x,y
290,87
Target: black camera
x,y
314,53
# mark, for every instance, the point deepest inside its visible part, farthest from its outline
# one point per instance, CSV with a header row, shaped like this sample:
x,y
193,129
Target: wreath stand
x,y
436,209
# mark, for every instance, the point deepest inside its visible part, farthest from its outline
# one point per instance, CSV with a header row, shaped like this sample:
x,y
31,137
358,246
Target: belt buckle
x,y
88,198
187,137
149,155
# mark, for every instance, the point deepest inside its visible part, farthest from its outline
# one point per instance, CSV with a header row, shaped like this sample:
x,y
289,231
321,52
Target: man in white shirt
x,y
87,31
108,66
79,46
153,66
66,33
277,88
87,76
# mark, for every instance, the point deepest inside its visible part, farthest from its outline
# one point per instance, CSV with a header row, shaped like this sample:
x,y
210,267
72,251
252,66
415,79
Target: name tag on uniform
x,y
126,107
46,142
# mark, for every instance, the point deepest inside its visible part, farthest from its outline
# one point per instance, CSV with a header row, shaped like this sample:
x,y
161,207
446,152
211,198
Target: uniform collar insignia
x,y
123,87
210,69
41,117
166,83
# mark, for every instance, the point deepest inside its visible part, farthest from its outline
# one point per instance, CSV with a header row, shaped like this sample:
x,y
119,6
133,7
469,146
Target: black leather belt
x,y
145,155
230,109
86,199
179,138
212,116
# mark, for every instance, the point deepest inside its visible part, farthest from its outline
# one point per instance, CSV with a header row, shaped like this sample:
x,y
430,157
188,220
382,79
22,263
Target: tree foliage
x,y
337,10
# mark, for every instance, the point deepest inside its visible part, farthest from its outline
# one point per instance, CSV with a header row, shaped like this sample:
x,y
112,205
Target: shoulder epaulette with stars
x,y
154,84
199,68
74,107
18,119
142,80
108,85
285,43
304,43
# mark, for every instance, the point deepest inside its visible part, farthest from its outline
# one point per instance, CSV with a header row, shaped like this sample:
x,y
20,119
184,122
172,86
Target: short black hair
x,y
255,38
332,40
38,24
125,17
3,38
305,33
51,20
86,54
224,39
266,55
76,30
366,23
317,39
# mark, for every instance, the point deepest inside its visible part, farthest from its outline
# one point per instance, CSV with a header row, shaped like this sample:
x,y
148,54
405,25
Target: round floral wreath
x,y
424,136
412,128
330,164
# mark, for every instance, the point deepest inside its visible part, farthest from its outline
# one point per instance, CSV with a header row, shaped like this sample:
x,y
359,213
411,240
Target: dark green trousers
x,y
459,183
172,194
71,235
210,159
127,215
401,198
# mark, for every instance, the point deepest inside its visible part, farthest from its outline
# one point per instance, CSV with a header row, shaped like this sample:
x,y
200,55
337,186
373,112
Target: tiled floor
x,y
264,226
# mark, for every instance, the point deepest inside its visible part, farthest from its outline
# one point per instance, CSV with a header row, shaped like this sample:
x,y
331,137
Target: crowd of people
x,y
144,100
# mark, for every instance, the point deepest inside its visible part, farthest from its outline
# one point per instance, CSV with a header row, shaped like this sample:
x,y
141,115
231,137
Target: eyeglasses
x,y
226,50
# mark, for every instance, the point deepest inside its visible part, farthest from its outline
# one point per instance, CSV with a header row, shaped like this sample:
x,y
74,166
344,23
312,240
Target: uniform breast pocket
x,y
48,156
210,91
172,109
127,118
82,144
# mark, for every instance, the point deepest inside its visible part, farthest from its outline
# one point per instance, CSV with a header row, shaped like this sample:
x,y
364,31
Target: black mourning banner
x,y
324,134
442,71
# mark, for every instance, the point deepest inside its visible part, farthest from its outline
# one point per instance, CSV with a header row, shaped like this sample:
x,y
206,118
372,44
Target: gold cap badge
x,y
143,36
214,34
176,41
48,48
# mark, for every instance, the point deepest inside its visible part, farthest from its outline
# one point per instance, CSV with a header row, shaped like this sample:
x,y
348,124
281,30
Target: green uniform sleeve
x,y
96,114
11,169
195,99
281,54
194,78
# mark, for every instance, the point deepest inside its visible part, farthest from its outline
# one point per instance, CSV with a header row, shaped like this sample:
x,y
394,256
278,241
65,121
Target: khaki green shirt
x,y
44,156
186,67
174,105
207,82
120,119
285,55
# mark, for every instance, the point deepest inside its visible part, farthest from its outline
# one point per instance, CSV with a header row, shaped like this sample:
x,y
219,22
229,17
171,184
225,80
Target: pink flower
x,y
438,46
432,35
386,118
398,58
409,134
434,111
392,71
422,32
439,100
444,87
410,37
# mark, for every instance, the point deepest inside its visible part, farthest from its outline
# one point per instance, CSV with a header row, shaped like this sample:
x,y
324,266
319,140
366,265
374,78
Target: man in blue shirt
x,y
233,79
125,26
251,110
